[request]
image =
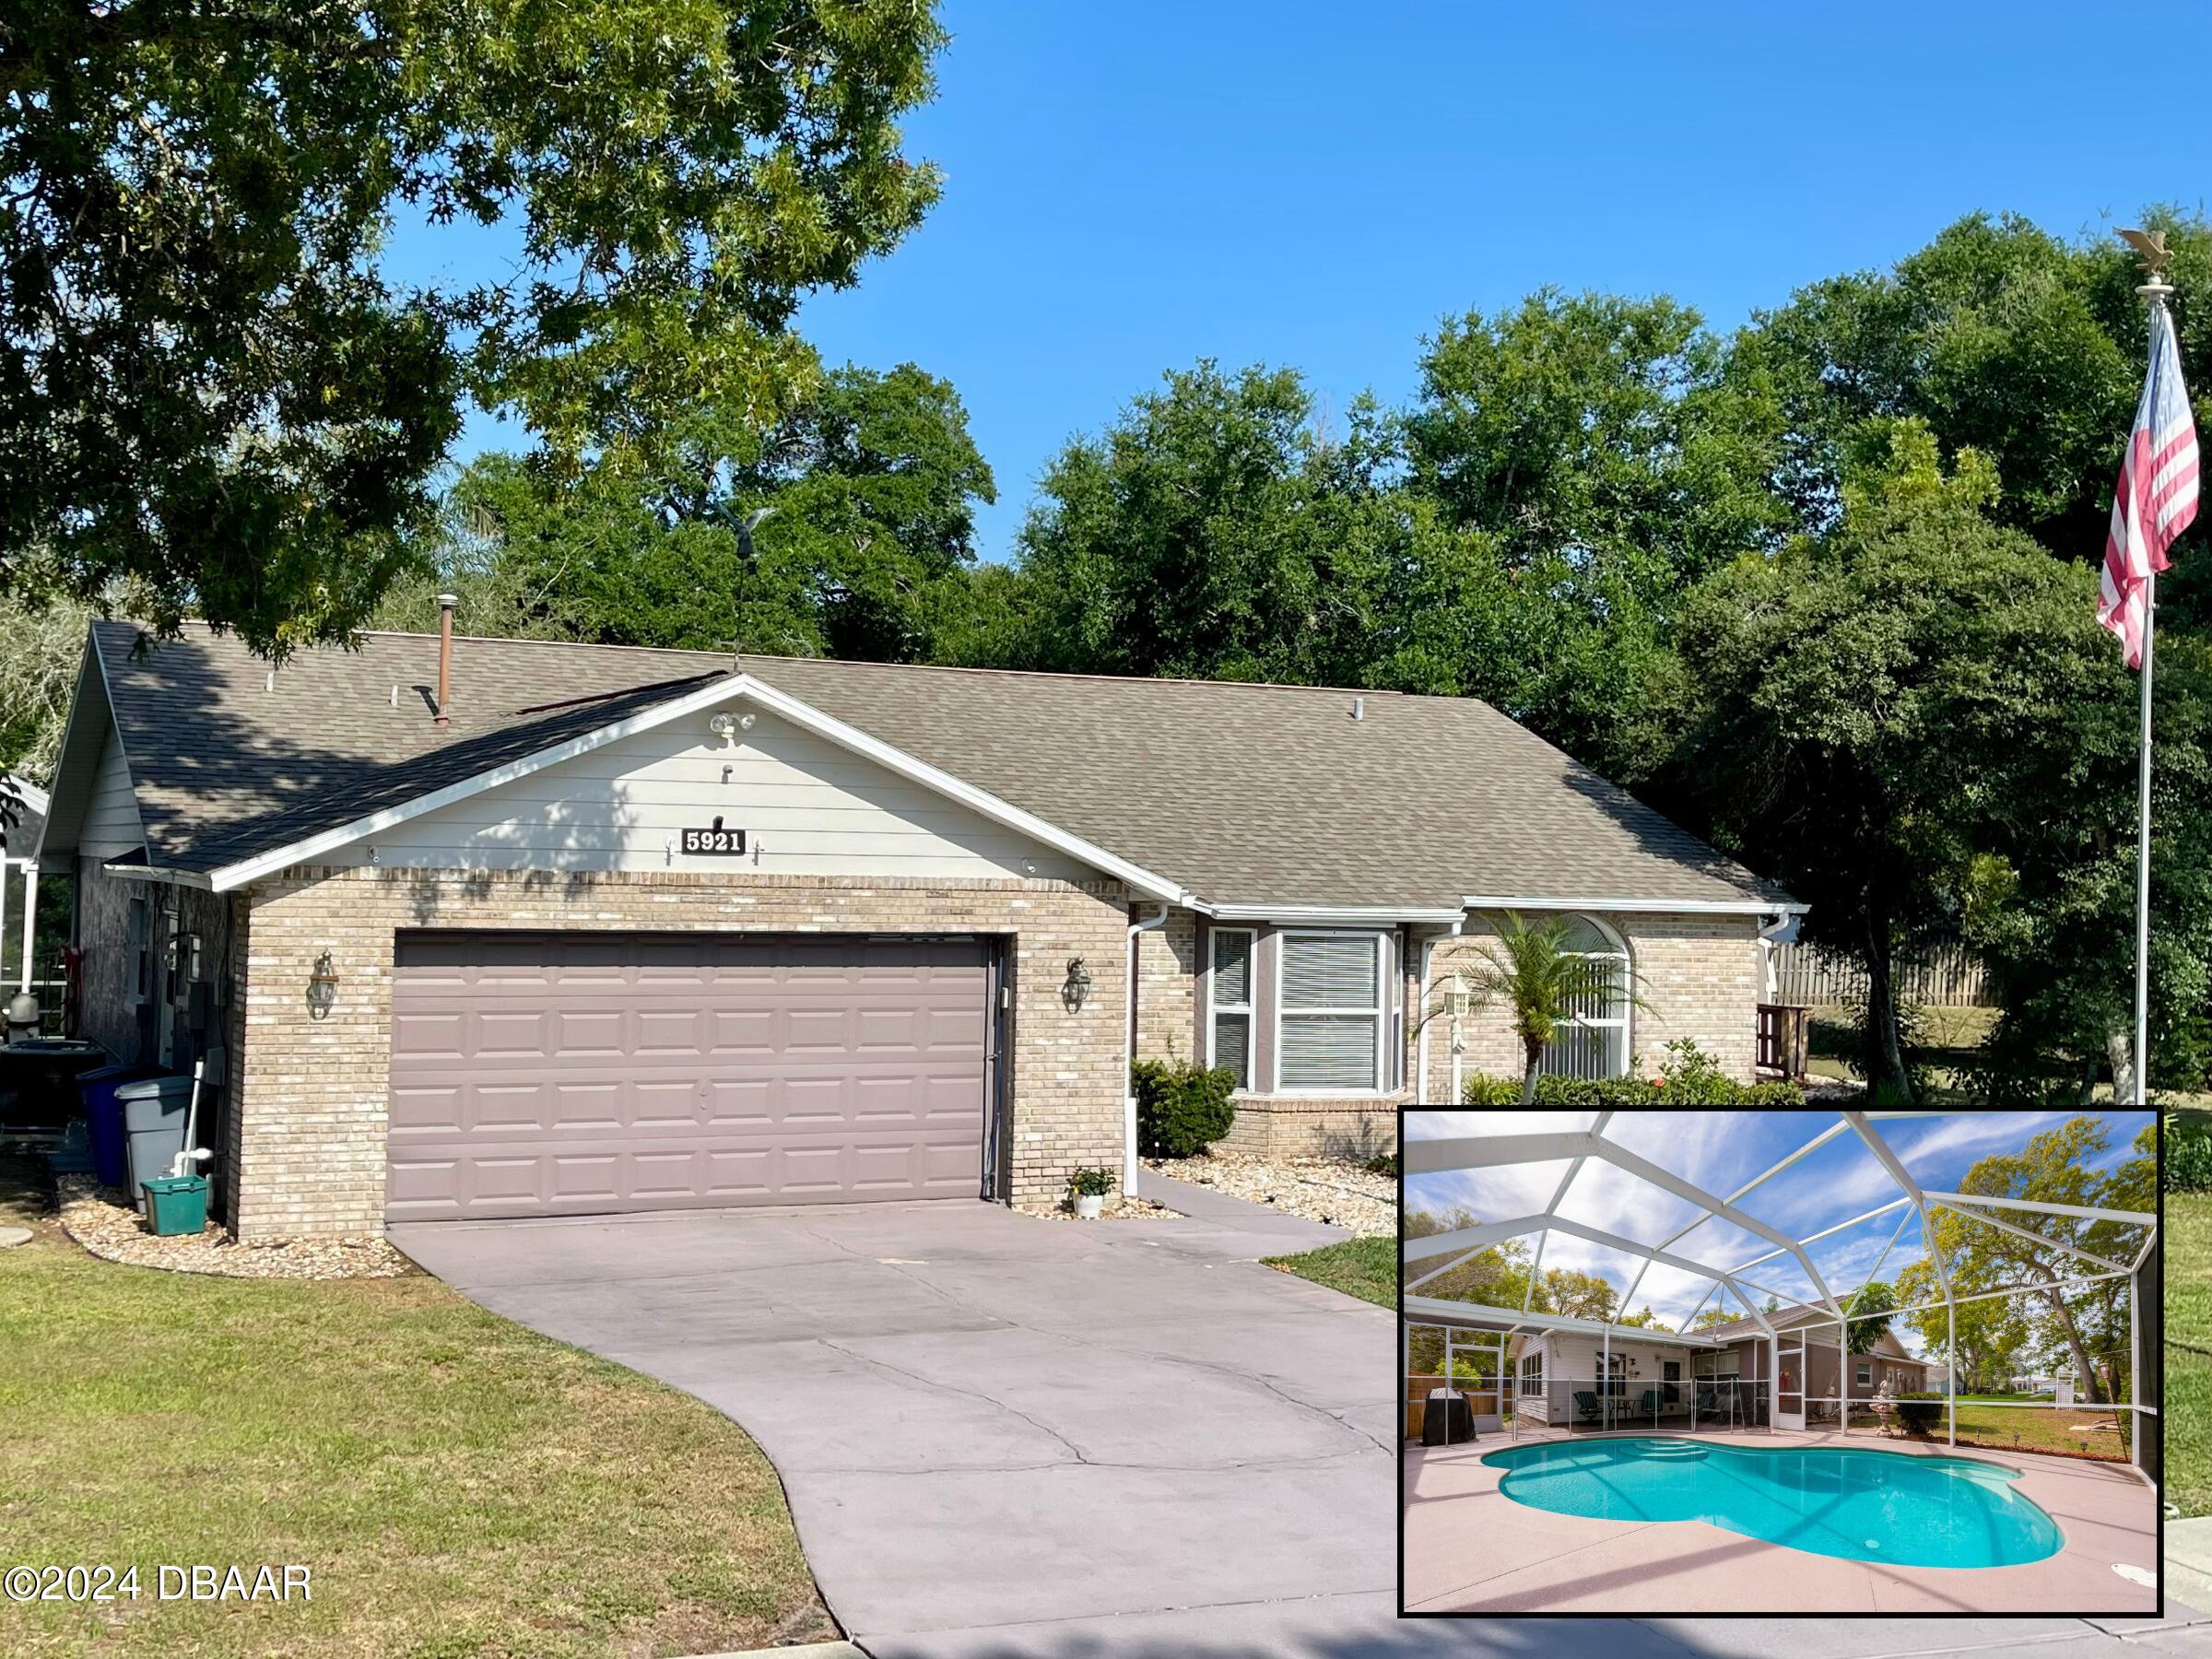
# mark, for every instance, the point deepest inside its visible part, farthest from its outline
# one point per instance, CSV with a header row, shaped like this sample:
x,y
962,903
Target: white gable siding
x,y
808,806
111,825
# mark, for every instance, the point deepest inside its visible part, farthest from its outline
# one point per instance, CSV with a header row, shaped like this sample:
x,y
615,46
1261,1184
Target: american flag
x,y
2156,498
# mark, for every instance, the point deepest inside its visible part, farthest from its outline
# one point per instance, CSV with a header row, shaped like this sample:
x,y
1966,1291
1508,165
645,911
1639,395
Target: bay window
x,y
1228,1003
1329,1013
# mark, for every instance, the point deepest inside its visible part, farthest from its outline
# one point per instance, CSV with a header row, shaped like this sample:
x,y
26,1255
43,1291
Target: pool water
x,y
1865,1506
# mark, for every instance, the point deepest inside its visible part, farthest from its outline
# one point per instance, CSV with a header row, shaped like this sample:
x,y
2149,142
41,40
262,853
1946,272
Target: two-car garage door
x,y
580,1073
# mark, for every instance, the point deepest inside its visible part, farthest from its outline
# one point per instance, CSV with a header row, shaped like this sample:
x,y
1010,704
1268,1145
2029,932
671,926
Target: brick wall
x,y
1167,987
1697,974
309,1133
1294,1126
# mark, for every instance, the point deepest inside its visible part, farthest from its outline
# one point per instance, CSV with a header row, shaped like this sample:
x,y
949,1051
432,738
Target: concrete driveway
x,y
988,1422
1008,1438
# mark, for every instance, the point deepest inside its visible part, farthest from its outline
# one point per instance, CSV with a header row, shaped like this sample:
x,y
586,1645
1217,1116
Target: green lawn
x,y
1367,1268
457,1485
2188,1403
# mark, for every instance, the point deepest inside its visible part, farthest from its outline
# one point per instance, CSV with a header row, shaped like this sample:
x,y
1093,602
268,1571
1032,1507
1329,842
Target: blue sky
x,y
1132,187
1719,1151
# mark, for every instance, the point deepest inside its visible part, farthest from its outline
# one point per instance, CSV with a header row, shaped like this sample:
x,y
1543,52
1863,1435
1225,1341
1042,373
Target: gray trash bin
x,y
153,1126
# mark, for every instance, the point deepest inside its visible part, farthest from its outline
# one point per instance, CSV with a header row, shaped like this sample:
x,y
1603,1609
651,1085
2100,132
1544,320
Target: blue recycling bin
x,y
103,1118
153,1126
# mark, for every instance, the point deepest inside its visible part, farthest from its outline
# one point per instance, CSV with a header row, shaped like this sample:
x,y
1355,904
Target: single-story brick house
x,y
599,929
1551,1367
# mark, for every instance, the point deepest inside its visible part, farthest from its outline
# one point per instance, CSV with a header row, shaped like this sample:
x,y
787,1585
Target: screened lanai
x,y
1684,1270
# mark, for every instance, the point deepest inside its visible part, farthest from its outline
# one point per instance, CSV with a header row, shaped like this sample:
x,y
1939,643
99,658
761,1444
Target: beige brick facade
x,y
1167,986
1698,976
307,1139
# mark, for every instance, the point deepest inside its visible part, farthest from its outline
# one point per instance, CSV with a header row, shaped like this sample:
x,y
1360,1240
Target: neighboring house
x,y
19,886
1552,1366
606,929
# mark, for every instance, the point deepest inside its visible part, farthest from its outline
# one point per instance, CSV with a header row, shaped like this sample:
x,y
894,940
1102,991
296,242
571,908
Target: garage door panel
x,y
579,1074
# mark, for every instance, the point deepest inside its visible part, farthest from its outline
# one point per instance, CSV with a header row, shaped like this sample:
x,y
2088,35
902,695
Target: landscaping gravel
x,y
114,1231
1121,1209
1331,1190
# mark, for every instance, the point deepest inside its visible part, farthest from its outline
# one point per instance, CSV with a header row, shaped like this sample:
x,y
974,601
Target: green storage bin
x,y
177,1204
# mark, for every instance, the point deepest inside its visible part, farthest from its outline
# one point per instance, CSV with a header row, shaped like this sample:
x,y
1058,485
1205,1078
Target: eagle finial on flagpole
x,y
2151,245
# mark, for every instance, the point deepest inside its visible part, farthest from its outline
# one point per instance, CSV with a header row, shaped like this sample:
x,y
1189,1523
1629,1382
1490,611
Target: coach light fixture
x,y
1077,990
322,988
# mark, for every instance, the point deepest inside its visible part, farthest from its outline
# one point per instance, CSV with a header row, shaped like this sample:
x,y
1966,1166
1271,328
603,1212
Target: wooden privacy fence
x,y
1949,977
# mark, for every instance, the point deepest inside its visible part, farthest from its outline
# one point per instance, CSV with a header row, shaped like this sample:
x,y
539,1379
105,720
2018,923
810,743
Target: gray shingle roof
x,y
1242,793
1736,1328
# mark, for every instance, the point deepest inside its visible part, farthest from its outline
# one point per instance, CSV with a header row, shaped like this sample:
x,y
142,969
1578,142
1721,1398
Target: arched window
x,y
1597,1043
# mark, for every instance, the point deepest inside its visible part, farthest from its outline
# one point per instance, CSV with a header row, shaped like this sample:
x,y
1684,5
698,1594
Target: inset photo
x,y
1784,1362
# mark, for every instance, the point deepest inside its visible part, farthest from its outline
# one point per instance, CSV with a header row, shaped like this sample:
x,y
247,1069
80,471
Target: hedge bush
x,y
2188,1152
1689,1079
1919,1412
1181,1108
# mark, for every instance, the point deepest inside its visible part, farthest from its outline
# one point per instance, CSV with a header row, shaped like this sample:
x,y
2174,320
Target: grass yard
x,y
457,1486
2032,1429
2188,1403
1367,1268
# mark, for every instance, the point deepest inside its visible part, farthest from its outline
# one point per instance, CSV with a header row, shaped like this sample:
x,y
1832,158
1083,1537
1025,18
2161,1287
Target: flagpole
x,y
2155,292
2150,589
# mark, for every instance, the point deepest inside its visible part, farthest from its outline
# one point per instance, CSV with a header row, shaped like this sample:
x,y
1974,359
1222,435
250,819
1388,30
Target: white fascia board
x,y
89,671
804,715
1357,915
184,878
1677,907
1480,1316
1489,1151
37,799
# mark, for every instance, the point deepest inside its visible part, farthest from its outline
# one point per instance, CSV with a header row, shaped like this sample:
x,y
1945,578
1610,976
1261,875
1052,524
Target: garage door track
x,y
996,1428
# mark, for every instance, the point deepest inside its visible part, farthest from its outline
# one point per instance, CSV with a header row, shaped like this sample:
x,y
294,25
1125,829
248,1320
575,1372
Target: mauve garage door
x,y
578,1074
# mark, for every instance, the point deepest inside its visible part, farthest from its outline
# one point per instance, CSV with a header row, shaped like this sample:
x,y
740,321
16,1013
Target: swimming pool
x,y
1866,1506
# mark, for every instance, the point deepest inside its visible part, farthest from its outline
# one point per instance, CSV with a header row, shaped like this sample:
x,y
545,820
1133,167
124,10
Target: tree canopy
x,y
2055,1315
212,391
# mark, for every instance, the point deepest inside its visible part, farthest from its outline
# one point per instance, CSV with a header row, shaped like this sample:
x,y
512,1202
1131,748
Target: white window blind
x,y
1331,1019
1594,1041
1229,991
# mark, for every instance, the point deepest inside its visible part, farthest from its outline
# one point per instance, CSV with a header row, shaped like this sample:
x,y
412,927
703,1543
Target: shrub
x,y
1687,1078
1181,1108
2188,1152
1383,1163
1090,1183
1918,1413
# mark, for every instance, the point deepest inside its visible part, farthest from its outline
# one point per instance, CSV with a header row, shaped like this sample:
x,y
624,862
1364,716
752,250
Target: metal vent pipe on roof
x,y
446,601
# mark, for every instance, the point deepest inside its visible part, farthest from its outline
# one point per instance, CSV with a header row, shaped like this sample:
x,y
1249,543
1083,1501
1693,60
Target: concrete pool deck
x,y
1469,1548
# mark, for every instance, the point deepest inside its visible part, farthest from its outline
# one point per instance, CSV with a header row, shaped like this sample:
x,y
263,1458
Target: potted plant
x,y
1089,1188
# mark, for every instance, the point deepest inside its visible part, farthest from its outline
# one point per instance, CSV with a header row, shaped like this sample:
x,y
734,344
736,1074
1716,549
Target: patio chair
x,y
1585,1404
1709,1402
1653,1399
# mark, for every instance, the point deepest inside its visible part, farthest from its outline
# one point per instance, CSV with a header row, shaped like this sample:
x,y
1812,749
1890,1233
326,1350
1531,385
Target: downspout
x,y
1766,953
1129,1058
1428,964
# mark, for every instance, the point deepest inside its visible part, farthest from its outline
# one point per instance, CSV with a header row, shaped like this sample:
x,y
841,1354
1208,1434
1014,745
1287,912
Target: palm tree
x,y
1528,968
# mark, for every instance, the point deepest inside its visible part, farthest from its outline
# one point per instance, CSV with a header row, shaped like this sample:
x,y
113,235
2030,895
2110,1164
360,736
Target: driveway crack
x,y
1074,1451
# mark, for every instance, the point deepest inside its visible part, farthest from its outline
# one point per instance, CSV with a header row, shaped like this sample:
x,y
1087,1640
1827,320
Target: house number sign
x,y
714,842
